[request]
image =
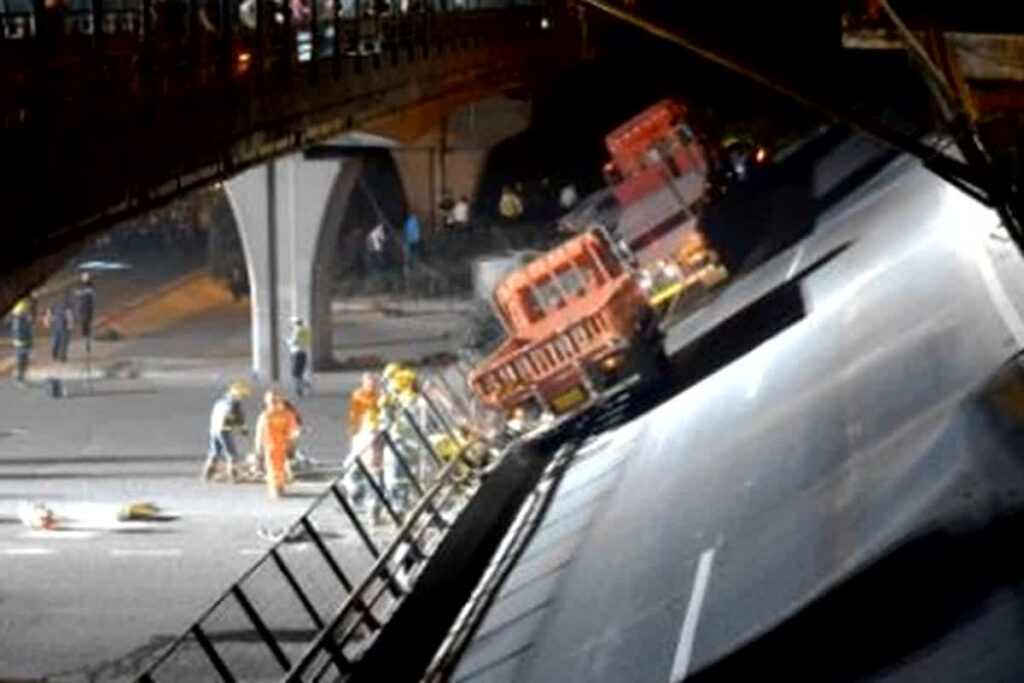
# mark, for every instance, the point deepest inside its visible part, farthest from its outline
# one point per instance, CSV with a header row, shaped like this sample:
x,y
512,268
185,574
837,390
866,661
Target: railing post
x,y
261,627
212,655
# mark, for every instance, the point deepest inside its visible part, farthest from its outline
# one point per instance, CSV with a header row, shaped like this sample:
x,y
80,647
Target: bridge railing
x,y
320,593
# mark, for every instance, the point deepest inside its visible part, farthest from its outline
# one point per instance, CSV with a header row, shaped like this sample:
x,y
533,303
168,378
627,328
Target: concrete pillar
x,y
288,213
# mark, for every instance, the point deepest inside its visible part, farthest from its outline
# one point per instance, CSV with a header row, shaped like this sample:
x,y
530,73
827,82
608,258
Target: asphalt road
x,y
820,503
99,597
101,593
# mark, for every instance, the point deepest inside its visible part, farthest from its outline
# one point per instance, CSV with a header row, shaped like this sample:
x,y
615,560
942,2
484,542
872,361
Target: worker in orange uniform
x,y
276,429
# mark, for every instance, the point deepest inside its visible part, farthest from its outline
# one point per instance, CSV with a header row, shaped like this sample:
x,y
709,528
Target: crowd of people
x,y
72,305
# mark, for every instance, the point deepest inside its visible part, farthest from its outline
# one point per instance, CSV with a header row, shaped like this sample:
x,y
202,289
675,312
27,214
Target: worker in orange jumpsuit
x,y
362,401
276,429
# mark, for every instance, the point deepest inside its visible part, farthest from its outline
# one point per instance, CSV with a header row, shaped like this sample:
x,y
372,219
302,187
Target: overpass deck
x,y
96,125
768,518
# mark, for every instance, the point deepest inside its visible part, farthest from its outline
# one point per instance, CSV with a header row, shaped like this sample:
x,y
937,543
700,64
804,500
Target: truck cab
x,y
573,318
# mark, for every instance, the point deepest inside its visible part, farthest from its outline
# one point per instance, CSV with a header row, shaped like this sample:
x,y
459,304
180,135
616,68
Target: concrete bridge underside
x,y
71,171
291,211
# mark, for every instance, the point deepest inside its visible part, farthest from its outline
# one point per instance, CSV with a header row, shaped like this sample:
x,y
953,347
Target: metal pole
x,y
272,307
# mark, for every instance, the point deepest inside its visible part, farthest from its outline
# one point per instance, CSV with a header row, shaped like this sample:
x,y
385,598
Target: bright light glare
x,y
544,23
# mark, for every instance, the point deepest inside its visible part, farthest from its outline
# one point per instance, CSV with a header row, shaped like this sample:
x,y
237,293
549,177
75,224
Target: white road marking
x,y
1002,301
681,662
796,261
60,535
146,552
252,551
27,551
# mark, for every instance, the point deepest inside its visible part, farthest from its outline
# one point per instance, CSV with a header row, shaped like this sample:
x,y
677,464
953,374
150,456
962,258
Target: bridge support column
x,y
288,212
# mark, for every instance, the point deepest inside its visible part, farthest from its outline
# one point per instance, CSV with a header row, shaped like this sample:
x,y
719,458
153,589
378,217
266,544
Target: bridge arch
x,y
291,214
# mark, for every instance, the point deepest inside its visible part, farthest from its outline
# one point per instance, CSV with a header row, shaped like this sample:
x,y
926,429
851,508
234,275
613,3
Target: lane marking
x,y
1000,298
252,551
60,535
681,661
146,552
796,261
27,551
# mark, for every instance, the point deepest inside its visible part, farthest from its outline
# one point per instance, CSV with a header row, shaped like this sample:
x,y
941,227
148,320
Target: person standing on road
x,y
298,347
411,233
226,418
59,321
365,444
460,213
276,429
21,336
85,297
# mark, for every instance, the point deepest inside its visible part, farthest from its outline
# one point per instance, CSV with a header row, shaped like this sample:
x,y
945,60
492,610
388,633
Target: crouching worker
x,y
226,418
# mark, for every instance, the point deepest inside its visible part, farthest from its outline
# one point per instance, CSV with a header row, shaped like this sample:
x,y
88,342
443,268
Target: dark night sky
x,y
799,41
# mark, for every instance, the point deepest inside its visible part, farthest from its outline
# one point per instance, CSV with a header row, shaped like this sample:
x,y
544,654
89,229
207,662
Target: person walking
x,y
460,213
236,283
276,430
411,235
226,417
59,321
298,347
85,297
21,336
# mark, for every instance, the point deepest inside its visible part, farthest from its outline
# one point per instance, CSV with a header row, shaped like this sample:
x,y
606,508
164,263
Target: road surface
x,y
830,497
96,599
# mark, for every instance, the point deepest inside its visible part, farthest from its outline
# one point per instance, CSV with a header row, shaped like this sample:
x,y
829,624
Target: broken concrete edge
x,y
422,621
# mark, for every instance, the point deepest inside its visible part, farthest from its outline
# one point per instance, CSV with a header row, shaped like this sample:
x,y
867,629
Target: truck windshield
x,y
571,281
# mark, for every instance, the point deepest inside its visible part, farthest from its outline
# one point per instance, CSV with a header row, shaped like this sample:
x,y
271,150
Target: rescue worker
x,y
399,398
364,428
294,454
59,321
226,417
298,346
21,336
86,299
276,429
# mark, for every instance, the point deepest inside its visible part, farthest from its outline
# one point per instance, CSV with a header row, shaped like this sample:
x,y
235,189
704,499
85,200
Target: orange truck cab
x,y
575,320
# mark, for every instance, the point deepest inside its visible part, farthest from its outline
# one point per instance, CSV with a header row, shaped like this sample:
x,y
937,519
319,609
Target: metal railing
x,y
318,596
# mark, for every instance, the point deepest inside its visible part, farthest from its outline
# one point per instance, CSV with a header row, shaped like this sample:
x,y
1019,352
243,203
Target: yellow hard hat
x,y
239,389
404,379
21,307
390,370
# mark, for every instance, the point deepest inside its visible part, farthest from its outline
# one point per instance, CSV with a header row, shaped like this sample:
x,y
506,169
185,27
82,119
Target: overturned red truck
x,y
581,317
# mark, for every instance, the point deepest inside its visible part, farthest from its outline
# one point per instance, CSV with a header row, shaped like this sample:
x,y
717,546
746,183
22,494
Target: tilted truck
x,y
659,175
583,316
576,322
